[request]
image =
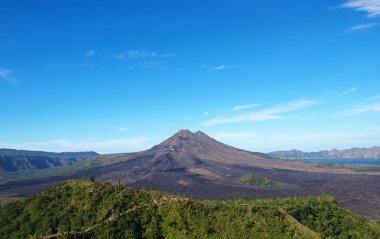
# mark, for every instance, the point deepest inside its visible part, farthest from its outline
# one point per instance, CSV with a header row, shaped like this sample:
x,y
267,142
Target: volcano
x,y
186,148
187,158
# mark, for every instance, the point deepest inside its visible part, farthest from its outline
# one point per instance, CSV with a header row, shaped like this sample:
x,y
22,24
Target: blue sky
x,y
121,76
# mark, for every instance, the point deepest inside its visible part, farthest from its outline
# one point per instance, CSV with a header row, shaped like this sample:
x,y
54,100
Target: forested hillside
x,y
12,160
85,209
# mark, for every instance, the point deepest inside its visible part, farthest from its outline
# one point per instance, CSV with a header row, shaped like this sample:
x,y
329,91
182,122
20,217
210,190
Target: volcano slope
x,y
194,164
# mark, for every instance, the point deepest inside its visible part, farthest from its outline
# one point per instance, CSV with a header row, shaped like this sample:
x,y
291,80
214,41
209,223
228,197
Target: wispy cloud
x,y
218,68
361,109
100,146
308,141
229,136
90,53
363,27
7,75
374,97
151,64
349,91
87,65
123,129
140,54
334,93
221,67
184,117
242,107
276,112
370,7
344,93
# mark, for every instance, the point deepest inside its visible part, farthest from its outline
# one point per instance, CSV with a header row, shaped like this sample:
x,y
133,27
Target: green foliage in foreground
x,y
257,180
84,209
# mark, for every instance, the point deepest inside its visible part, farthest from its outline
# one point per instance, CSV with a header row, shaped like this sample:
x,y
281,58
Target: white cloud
x,y
138,54
7,75
151,64
123,129
141,54
154,54
311,141
374,97
361,109
148,123
218,68
370,7
362,27
184,117
276,112
242,107
349,91
120,56
343,93
206,113
90,53
230,136
100,146
323,140
221,67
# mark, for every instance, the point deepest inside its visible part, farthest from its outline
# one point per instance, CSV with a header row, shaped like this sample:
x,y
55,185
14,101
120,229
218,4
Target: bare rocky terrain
x,y
196,165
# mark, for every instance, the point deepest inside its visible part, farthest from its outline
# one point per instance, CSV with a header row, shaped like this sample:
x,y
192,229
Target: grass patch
x,y
359,169
366,169
329,165
257,180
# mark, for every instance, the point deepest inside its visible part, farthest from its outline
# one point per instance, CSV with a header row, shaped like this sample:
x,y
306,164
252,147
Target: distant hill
x,y
12,160
367,153
84,209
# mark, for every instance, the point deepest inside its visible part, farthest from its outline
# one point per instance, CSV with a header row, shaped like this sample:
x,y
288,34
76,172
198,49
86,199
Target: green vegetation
x,y
257,180
356,168
90,163
85,209
329,165
367,169
23,160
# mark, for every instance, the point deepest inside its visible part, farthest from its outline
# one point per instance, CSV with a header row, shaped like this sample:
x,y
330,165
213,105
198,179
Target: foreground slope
x,y
83,209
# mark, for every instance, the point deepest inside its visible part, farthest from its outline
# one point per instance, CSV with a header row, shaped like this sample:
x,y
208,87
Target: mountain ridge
x,y
12,160
367,153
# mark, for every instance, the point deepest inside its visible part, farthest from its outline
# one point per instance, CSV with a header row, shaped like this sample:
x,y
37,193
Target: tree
x,y
91,178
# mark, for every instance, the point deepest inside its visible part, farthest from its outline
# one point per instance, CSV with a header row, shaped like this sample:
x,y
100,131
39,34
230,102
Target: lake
x,y
344,161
